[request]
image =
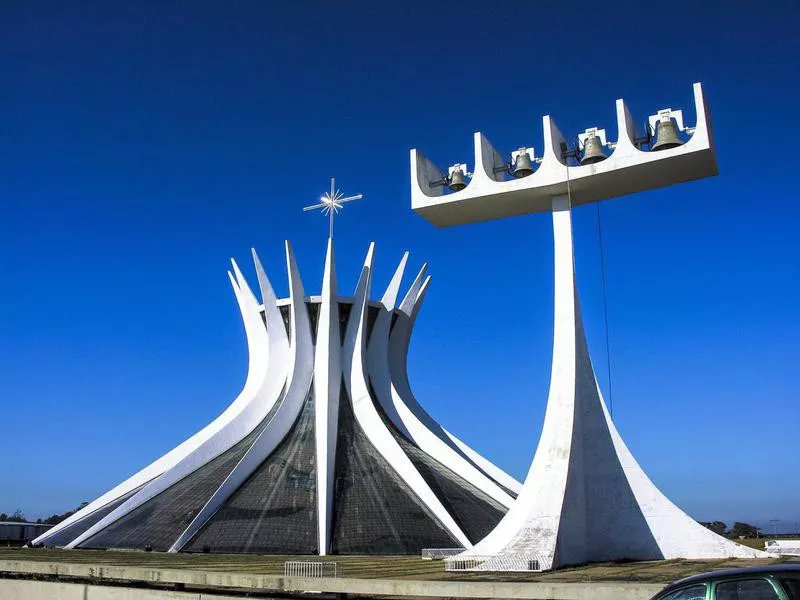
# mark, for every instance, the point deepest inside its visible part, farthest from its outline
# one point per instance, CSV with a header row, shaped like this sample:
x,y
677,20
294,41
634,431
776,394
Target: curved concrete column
x,y
405,404
378,349
538,506
258,352
327,389
367,416
399,413
409,309
276,332
255,400
280,424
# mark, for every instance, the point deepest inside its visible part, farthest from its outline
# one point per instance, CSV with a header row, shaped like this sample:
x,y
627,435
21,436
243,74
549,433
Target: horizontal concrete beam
x,y
627,170
218,581
26,589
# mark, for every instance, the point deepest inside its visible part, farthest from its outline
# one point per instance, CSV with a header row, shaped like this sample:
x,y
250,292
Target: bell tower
x,y
585,497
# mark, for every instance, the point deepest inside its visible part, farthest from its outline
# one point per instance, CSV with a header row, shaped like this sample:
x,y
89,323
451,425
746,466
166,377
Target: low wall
x,y
216,582
22,589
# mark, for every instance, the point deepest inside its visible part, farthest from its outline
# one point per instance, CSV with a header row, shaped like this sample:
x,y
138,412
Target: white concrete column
x,y
327,388
385,361
251,407
585,498
260,345
300,369
538,506
366,414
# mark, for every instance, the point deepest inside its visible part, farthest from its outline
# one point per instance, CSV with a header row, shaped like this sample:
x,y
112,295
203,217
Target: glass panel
x,y
313,317
286,313
274,511
746,589
70,532
372,315
375,512
511,493
159,521
475,512
344,316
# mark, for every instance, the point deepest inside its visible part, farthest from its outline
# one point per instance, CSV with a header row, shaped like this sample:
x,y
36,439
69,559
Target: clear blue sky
x,y
143,144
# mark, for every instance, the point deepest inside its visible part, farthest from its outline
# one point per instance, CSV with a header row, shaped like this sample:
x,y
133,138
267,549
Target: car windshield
x,y
792,587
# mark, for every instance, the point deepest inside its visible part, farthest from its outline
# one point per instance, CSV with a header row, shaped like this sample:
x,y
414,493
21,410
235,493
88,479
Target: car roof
x,y
709,575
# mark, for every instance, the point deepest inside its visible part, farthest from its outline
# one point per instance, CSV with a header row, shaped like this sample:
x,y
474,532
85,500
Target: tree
x,y
56,519
717,527
17,517
744,530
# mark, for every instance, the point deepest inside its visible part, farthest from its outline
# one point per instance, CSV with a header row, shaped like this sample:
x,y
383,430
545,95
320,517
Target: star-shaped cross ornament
x,y
331,203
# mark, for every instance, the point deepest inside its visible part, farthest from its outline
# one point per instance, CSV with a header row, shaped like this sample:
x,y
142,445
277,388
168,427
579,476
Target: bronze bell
x,y
456,181
522,164
666,135
592,150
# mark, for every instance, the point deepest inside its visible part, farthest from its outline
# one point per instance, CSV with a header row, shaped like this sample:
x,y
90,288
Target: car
x,y
775,582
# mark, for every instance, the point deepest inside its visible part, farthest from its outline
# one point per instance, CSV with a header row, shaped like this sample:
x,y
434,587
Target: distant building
x,y
16,533
783,547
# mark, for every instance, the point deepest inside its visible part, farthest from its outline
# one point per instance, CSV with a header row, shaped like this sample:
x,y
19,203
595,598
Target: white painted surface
x,y
276,332
585,498
627,170
538,507
378,348
327,388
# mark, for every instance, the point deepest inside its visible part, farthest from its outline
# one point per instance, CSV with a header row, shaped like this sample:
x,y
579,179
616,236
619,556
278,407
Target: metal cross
x,y
332,202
